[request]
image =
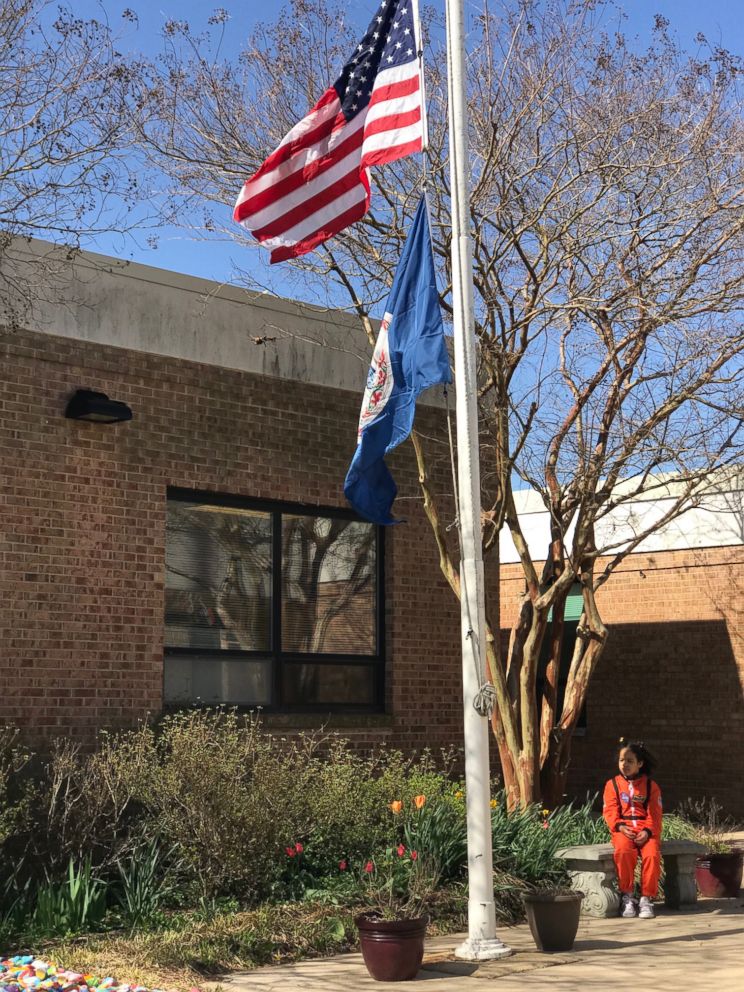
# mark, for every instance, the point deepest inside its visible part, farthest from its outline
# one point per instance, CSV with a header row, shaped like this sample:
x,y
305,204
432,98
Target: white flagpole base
x,y
485,949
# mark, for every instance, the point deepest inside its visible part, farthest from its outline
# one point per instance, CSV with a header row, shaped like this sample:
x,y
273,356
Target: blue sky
x,y
720,20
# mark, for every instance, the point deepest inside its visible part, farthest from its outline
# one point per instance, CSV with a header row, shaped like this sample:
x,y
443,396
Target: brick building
x,y
672,673
203,551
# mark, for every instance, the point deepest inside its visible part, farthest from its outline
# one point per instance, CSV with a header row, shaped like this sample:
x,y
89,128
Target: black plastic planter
x,y
553,919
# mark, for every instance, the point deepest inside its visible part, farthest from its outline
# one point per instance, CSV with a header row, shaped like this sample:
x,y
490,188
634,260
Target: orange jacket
x,y
628,801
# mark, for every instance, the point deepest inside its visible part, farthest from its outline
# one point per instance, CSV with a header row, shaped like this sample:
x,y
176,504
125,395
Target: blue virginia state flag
x,y
409,356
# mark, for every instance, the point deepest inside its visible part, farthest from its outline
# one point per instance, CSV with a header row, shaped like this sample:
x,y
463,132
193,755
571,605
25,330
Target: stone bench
x,y
592,871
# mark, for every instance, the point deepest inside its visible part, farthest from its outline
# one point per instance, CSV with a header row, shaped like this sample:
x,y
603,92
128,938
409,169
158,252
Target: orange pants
x,y
626,859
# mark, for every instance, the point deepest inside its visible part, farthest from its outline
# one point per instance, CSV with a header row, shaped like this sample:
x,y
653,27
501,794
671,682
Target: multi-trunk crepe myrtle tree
x,y
608,223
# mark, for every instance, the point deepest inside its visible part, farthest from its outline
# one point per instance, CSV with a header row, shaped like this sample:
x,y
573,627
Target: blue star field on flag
x,y
389,42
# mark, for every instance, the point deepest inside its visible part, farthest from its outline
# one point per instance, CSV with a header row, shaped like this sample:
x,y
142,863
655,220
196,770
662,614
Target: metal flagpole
x,y
482,943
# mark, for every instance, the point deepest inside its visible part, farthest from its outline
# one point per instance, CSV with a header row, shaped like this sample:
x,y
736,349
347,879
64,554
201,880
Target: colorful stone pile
x,y
25,972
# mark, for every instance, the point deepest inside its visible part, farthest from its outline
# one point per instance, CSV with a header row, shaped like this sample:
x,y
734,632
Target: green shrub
x,y
677,827
75,905
440,831
215,796
92,805
15,794
227,797
525,840
704,821
16,828
578,824
16,905
143,887
347,798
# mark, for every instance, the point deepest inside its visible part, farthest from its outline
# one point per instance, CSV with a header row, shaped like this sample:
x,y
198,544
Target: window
x,y
271,605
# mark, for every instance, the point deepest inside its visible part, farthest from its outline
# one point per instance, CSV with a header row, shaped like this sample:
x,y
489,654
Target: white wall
x,y
718,522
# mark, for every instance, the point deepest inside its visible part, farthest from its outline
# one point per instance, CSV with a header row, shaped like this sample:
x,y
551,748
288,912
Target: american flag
x,y
316,182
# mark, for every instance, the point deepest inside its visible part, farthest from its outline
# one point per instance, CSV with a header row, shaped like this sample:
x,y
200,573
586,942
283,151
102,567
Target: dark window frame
x,y
275,655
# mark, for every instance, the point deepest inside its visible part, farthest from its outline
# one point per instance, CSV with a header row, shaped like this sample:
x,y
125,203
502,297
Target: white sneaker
x,y
646,909
628,910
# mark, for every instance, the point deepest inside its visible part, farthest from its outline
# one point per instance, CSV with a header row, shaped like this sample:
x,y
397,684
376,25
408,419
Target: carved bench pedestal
x,y
592,871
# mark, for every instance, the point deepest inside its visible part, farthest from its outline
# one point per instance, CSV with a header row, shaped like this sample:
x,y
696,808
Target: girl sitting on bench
x,y
632,810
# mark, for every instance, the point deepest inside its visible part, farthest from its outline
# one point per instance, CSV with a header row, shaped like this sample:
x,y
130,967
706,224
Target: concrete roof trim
x,y
110,301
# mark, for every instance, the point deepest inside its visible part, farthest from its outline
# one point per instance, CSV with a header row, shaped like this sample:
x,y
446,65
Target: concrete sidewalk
x,y
701,949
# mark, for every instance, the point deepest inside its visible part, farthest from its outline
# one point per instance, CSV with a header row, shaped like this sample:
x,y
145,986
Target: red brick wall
x,y
82,531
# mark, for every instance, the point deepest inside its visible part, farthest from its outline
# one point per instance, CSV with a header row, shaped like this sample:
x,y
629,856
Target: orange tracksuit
x,y
637,804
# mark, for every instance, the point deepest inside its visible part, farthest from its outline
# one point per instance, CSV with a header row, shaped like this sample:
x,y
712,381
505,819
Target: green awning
x,y
574,604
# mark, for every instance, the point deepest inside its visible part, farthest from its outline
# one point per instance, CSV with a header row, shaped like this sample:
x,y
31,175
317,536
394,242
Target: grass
x,y
189,948
131,959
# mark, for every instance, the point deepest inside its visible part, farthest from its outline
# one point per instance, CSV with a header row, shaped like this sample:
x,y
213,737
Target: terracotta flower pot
x,y
392,949
718,876
553,918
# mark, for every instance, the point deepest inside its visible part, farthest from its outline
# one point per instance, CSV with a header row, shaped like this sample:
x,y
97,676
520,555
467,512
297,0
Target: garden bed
x,y
204,845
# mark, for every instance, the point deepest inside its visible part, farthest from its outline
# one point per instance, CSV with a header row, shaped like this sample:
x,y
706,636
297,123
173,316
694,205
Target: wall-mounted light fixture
x,y
88,405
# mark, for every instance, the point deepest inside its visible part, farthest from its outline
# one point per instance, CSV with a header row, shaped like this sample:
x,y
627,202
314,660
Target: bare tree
x,y
608,219
66,165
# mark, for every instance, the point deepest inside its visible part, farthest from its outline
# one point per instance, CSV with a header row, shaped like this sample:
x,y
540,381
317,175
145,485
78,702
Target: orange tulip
x,y
418,801
396,806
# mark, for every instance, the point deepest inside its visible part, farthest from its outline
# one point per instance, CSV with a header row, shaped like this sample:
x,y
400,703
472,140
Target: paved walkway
x,y
701,949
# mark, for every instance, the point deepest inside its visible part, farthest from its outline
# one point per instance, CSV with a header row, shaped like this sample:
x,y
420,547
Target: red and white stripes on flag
x,y
316,183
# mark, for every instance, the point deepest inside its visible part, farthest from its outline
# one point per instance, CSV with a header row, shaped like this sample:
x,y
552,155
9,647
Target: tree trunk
x,y
505,727
515,656
589,648
551,780
549,702
508,769
529,757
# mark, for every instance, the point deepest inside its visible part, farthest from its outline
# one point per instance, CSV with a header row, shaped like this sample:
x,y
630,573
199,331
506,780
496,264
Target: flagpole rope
x,y
485,698
424,109
422,79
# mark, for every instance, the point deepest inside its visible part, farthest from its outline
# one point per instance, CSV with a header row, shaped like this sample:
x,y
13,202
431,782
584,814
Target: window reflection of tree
x,y
328,589
329,565
233,554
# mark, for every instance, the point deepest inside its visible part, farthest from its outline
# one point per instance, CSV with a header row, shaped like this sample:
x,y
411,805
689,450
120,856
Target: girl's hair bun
x,y
641,752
